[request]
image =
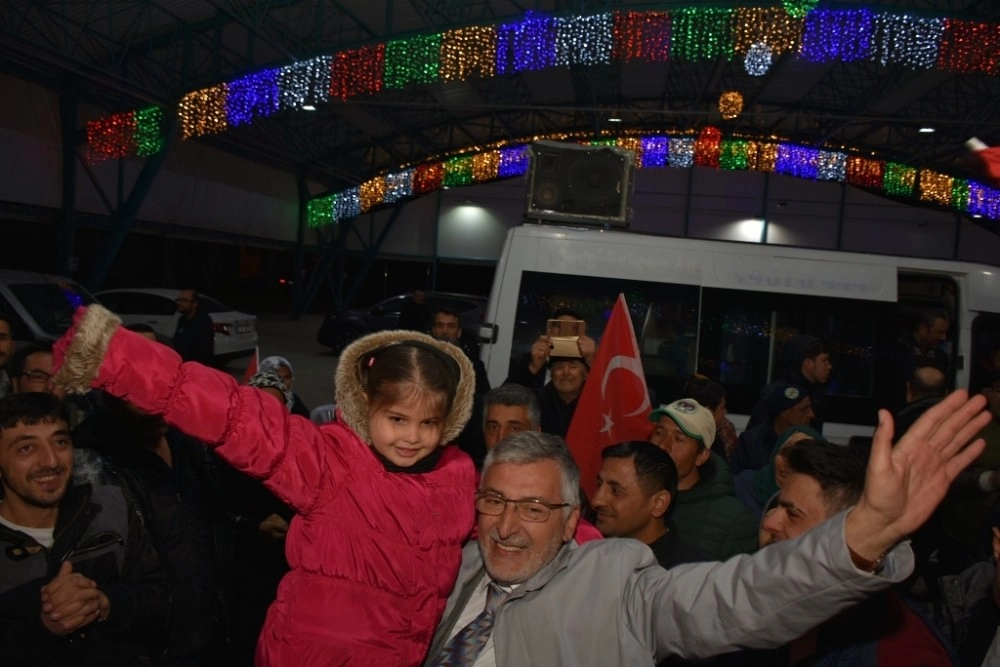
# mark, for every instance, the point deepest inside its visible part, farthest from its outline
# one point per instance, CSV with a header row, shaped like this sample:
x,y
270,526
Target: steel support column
x,y
327,256
298,294
125,215
437,233
66,232
370,255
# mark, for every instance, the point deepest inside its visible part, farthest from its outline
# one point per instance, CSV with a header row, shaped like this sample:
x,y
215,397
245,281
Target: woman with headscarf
x,y
283,369
272,384
755,488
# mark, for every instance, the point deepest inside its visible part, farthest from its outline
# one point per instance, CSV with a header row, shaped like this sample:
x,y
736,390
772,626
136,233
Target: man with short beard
x,y
80,583
526,594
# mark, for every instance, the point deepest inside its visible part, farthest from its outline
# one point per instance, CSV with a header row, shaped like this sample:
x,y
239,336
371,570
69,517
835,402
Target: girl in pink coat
x,y
383,505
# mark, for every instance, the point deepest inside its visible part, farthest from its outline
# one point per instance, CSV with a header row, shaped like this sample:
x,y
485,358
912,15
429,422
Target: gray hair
x,y
535,447
272,364
514,395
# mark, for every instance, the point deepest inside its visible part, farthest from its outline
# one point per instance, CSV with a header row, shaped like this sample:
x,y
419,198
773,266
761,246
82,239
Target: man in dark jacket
x,y
635,491
558,398
926,388
807,365
446,325
785,405
172,479
922,345
568,372
707,513
80,583
194,338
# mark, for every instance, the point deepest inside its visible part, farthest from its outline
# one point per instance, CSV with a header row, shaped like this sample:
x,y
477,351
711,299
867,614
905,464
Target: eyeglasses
x,y
40,377
528,509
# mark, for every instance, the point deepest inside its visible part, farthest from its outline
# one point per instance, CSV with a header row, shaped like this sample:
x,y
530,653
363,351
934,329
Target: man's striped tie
x,y
465,647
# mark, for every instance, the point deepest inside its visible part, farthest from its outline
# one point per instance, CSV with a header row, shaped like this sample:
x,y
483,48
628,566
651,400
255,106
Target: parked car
x,y
39,306
235,332
339,330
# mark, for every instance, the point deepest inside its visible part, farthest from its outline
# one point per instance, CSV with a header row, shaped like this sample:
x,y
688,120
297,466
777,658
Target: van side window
x,y
743,334
985,351
664,316
919,296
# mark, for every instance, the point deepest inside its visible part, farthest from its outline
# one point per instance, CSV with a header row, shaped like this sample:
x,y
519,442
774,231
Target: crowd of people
x,y
155,511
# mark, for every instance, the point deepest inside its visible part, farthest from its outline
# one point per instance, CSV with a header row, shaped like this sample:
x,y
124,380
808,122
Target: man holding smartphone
x,y
566,352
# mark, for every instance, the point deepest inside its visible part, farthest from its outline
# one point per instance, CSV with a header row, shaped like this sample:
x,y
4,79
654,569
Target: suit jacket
x,y
609,603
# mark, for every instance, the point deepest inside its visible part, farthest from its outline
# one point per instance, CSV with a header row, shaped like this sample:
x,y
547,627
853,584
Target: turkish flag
x,y
989,157
614,405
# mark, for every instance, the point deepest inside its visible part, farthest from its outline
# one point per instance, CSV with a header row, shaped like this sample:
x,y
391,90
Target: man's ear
x,y
660,504
703,456
570,530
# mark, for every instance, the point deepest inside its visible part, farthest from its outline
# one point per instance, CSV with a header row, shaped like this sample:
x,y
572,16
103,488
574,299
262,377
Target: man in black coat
x,y
194,338
80,582
807,365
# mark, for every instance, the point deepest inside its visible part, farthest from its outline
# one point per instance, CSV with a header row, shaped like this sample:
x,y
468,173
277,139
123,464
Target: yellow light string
x,y
203,112
935,187
372,193
468,50
766,25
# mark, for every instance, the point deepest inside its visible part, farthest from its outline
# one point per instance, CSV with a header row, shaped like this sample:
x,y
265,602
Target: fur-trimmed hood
x,y
79,353
349,393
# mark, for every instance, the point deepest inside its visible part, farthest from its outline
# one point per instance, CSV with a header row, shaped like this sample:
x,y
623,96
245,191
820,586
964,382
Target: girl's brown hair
x,y
403,369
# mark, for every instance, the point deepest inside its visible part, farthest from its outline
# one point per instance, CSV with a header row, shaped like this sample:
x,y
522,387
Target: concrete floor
x,y
314,365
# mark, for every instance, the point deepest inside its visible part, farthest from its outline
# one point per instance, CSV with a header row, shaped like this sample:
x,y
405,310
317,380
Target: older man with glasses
x,y
527,594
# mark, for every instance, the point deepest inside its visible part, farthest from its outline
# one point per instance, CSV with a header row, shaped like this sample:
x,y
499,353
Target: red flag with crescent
x,y
614,405
989,157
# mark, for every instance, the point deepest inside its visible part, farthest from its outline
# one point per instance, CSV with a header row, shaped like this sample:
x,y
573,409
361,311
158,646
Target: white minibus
x,y
724,309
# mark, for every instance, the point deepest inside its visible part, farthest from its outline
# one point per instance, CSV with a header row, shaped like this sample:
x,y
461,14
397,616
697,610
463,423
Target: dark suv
x,y
337,331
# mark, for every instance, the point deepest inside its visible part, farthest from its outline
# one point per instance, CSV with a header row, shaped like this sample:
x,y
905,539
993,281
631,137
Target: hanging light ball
x,y
758,59
730,104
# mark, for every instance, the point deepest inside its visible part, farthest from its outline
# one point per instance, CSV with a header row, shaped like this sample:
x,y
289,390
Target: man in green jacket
x,y
708,516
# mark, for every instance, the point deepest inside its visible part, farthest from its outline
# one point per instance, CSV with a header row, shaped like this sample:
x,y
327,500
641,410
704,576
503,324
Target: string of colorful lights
x,y
709,148
538,41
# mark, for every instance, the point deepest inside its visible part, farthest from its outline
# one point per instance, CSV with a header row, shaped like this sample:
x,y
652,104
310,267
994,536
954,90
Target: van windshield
x,y
51,305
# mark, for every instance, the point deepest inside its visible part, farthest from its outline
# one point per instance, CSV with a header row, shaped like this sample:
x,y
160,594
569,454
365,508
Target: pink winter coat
x,y
374,554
